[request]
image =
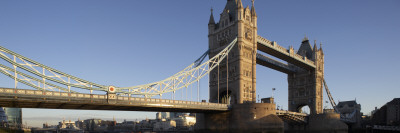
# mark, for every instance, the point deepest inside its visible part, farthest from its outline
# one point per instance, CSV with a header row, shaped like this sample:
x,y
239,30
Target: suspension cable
x,y
227,77
147,90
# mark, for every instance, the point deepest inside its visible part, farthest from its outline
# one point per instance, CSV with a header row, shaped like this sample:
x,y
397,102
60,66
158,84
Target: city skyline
x,y
129,43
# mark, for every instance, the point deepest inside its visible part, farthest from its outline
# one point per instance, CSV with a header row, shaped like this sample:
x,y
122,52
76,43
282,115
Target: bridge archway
x,y
304,109
226,98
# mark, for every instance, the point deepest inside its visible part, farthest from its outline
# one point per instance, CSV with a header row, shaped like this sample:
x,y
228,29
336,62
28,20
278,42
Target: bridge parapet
x,y
29,99
298,56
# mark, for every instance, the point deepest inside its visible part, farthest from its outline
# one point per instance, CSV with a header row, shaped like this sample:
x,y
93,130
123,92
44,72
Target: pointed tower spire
x,y
305,38
211,17
239,3
315,45
253,11
320,47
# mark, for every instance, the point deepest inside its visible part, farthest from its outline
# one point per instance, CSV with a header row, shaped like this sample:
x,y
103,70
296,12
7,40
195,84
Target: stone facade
x,y
237,80
240,22
305,86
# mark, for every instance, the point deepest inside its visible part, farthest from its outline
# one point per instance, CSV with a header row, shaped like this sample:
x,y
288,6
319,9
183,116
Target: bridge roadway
x,y
292,117
22,98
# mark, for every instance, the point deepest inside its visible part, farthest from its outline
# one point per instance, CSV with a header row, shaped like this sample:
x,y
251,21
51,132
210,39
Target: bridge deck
x,y
22,98
280,52
292,117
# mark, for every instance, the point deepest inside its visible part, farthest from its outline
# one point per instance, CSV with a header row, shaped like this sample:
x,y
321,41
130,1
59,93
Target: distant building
x,y
68,127
388,114
164,125
3,117
350,113
163,115
175,114
14,117
91,124
126,126
168,115
145,125
267,100
185,122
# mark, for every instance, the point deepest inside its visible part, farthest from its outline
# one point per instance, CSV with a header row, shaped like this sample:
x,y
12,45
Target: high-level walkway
x,y
289,55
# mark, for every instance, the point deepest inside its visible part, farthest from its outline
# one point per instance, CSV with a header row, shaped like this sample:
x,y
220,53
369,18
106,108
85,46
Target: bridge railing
x,y
285,112
104,98
292,116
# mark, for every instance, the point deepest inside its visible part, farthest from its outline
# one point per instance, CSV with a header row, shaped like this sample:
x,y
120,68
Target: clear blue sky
x,y
126,43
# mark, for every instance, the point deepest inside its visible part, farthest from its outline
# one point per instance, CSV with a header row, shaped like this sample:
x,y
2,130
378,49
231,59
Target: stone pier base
x,y
327,123
319,123
248,117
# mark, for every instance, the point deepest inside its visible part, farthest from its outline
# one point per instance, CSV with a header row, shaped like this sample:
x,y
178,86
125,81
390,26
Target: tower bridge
x,y
234,50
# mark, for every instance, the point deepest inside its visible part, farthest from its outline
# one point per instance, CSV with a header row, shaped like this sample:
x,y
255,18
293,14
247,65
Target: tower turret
x,y
239,14
320,48
305,48
253,11
211,18
211,23
239,4
235,82
315,46
315,50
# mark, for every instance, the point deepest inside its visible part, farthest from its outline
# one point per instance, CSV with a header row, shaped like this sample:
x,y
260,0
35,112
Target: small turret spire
x,y
320,44
315,46
320,47
211,17
305,38
239,4
253,11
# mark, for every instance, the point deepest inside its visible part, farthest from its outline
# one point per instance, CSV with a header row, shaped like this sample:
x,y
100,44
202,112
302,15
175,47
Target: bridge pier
x,y
326,122
247,117
319,123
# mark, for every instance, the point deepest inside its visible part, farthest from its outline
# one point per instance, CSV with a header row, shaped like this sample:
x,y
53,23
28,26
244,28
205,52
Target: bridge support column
x,y
247,117
111,98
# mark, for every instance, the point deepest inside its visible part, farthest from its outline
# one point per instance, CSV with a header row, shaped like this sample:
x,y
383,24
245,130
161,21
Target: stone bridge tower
x,y
305,86
235,21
